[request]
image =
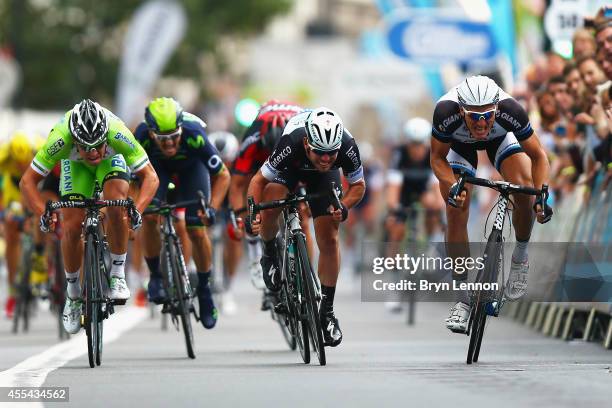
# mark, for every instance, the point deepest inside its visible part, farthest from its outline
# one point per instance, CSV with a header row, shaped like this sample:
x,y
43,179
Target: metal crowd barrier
x,y
576,220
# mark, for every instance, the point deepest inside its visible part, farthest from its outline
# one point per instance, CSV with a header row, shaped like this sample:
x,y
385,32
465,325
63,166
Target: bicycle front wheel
x,y
184,299
312,304
92,299
284,323
489,274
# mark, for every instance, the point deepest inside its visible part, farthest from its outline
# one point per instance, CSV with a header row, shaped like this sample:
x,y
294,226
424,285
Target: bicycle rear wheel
x,y
312,304
183,298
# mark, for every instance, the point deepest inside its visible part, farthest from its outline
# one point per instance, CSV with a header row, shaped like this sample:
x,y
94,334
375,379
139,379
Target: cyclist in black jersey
x,y
478,115
409,184
313,148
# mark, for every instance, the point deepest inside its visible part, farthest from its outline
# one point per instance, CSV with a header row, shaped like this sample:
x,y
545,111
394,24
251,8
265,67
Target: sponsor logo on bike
x,y
499,218
280,156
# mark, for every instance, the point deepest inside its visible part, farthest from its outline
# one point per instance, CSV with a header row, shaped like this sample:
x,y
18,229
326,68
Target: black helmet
x,y
88,123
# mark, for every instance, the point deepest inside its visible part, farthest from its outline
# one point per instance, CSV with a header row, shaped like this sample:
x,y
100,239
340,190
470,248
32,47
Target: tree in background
x,y
70,49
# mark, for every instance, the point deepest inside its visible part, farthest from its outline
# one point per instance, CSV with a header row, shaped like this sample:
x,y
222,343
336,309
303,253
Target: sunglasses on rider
x,y
476,116
88,149
168,136
320,152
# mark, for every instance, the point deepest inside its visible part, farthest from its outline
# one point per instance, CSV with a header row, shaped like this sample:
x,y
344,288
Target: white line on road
x,y
33,371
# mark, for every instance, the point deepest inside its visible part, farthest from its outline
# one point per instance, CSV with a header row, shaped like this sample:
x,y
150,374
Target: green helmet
x,y
163,115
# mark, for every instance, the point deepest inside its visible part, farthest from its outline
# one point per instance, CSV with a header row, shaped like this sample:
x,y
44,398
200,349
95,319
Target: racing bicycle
x,y
489,302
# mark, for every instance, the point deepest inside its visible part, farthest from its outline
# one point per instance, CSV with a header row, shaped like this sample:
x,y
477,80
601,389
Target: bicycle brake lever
x,y
202,198
334,196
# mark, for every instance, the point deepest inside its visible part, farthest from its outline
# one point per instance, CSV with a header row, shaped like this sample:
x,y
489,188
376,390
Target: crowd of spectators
x,y
573,100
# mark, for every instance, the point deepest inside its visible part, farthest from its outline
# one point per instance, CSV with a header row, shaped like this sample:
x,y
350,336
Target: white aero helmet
x,y
324,129
417,130
226,143
478,91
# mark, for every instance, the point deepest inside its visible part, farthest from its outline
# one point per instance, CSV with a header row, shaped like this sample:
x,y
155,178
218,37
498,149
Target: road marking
x,y
33,371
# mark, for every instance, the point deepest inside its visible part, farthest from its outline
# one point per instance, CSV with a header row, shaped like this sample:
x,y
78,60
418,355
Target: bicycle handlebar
x,y
164,207
87,203
503,187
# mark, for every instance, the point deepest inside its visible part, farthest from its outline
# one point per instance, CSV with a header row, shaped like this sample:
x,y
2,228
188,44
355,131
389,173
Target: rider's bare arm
x,y
540,167
149,184
29,188
220,184
440,165
354,194
256,186
238,188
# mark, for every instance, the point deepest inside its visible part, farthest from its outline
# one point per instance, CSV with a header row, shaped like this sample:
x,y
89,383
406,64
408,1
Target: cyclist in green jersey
x,y
94,146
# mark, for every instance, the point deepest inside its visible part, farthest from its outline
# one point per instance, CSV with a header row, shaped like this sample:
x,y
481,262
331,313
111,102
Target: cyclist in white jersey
x,y
478,115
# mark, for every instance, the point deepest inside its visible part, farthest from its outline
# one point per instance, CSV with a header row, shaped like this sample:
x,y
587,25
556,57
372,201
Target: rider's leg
x,y
112,175
117,227
72,252
464,158
181,231
151,243
232,253
72,248
76,182
269,228
269,224
326,229
517,169
305,217
326,234
13,249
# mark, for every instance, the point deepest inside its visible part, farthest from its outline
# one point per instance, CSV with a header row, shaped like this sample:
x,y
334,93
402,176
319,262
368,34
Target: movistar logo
x,y
196,142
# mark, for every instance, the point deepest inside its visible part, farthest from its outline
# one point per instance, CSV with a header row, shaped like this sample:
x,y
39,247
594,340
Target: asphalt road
x,y
245,362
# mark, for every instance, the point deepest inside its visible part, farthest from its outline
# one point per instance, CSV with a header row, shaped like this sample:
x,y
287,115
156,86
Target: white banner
x,y
155,31
10,75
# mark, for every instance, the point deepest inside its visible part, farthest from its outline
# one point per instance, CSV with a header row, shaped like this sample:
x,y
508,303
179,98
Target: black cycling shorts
x,y
463,156
315,182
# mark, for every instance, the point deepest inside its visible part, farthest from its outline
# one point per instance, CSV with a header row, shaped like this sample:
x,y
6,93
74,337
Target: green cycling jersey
x,y
60,146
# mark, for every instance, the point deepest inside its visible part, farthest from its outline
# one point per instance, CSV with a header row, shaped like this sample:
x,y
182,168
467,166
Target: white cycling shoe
x,y
71,316
257,275
119,289
516,287
457,320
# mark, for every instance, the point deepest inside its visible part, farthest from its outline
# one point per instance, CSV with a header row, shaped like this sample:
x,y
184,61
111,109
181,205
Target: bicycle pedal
x,y
281,309
460,331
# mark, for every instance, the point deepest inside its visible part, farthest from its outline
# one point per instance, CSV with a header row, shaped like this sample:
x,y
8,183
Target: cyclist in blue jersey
x,y
177,145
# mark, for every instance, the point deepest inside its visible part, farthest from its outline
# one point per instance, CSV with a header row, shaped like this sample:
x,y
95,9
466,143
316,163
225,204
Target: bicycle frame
x,y
168,233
